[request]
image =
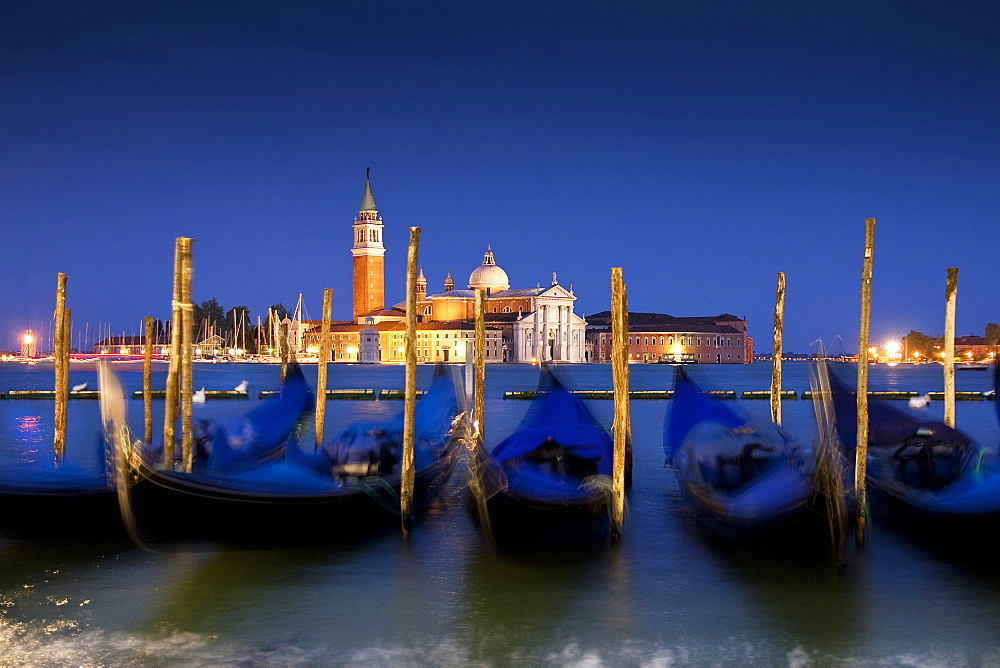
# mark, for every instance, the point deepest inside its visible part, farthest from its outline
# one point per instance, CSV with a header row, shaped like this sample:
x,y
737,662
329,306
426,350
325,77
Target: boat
x,y
744,476
74,495
35,493
350,482
550,478
241,442
920,472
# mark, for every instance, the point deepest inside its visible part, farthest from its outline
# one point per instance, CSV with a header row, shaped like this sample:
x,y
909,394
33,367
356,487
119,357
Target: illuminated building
x,y
657,337
522,325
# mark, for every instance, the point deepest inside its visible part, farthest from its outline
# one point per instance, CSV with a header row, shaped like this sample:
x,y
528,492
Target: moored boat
x,y
550,478
349,482
922,473
746,477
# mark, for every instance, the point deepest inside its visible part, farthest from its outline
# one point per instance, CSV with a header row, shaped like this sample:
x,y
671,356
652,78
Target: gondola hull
x,y
173,504
578,515
60,510
550,480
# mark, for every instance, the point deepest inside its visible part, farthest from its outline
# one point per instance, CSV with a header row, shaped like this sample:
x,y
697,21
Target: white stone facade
x,y
551,332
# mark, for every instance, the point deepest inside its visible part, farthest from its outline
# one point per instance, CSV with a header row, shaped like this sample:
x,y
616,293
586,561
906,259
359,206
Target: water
x,y
667,595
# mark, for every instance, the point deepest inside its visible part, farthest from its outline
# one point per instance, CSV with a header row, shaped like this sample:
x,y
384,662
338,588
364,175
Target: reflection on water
x,y
29,429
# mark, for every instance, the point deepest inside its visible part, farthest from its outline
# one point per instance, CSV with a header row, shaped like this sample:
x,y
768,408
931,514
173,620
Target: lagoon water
x,y
667,595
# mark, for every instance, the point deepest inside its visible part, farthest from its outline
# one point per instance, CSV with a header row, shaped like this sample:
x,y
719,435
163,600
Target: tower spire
x,y
367,199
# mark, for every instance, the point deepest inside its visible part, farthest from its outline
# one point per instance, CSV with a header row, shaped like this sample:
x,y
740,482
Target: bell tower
x,y
368,252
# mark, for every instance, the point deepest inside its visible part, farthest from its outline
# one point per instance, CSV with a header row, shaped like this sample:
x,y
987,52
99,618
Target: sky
x,y
702,146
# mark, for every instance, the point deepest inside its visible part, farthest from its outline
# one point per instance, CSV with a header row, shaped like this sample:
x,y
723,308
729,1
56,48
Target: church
x,y
523,325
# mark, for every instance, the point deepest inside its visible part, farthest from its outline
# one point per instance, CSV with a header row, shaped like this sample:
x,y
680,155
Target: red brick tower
x,y
368,252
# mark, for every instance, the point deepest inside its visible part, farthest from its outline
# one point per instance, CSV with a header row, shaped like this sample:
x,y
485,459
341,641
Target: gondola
x,y
551,478
243,442
37,494
744,477
75,495
350,482
920,472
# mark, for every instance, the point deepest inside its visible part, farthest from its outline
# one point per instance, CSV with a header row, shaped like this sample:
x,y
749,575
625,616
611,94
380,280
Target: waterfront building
x,y
658,337
971,347
522,325
385,341
538,324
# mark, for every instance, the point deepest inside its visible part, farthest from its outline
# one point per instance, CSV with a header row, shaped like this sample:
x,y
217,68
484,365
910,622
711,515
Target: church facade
x,y
538,324
522,324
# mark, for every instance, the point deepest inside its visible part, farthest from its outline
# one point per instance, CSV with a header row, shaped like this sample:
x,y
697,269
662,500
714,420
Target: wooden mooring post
x,y
479,363
170,407
951,295
622,426
861,447
324,354
408,476
187,354
147,387
779,325
283,351
61,355
476,486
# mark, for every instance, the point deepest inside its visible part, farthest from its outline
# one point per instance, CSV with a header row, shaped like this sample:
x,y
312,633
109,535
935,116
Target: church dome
x,y
489,275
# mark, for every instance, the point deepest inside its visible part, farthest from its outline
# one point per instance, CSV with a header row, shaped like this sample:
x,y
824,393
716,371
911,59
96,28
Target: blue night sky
x,y
702,146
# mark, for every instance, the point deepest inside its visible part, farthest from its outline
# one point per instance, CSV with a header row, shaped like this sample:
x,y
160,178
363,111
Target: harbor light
x,y
28,344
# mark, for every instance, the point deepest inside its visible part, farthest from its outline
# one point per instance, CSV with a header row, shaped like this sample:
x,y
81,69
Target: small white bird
x,y
198,397
242,387
79,388
921,401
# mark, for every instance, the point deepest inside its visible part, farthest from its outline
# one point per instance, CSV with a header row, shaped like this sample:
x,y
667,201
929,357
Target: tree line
x,y
233,325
